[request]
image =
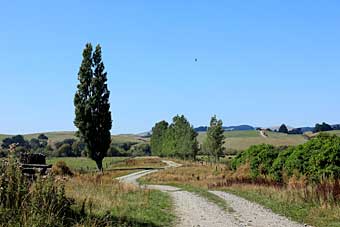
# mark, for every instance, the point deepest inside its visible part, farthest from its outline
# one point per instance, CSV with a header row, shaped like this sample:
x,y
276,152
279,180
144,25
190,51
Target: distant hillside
x,y
59,136
241,140
227,128
311,134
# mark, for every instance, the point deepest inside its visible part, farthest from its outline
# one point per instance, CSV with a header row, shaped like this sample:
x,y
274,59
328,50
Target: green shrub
x,y
279,164
319,157
260,157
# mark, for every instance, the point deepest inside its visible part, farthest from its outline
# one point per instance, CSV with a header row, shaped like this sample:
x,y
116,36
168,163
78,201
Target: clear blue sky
x,y
259,62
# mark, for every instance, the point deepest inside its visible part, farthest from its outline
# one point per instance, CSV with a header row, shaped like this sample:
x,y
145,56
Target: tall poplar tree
x,y
215,138
92,107
158,137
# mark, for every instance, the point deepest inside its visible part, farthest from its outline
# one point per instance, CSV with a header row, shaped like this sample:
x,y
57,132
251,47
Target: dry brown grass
x,y
140,162
190,173
101,191
103,195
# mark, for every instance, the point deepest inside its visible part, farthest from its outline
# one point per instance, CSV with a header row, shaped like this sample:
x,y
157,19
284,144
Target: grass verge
x,y
278,202
84,164
104,196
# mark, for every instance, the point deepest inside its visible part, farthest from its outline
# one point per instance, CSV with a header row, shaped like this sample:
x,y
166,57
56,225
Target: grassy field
x,y
241,140
59,136
85,164
335,132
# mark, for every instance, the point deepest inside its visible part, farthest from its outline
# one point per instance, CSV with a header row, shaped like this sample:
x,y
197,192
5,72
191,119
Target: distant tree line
x,y
318,128
179,139
69,147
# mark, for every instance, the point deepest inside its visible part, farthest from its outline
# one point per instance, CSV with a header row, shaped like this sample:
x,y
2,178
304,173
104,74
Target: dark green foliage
x,y
78,148
65,151
283,129
121,149
92,107
260,158
322,127
319,157
158,137
37,144
215,138
279,164
296,131
18,140
65,148
42,137
3,153
142,149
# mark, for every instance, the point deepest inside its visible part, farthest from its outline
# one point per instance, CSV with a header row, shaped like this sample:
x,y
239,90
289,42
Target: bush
x,y
319,157
65,151
60,168
140,150
260,158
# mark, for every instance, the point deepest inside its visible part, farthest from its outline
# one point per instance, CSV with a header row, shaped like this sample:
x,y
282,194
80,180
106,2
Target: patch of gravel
x,y
252,214
194,210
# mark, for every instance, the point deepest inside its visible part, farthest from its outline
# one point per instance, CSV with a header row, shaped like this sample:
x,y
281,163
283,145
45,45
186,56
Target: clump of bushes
x,y
319,157
60,168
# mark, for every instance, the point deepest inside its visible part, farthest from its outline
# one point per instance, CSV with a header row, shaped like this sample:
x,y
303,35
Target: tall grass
x,y
103,195
78,200
26,203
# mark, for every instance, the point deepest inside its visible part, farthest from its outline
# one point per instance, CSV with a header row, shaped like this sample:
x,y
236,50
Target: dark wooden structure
x,y
32,164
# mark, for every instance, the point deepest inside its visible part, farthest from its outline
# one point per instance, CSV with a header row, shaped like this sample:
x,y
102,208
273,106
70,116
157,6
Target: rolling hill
x,y
241,140
59,136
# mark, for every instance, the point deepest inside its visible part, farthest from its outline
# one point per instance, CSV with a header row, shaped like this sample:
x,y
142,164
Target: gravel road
x,y
195,211
252,214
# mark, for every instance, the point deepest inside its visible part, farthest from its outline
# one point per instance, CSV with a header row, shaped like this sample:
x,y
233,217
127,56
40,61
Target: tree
x,y
92,107
215,138
158,137
177,140
42,137
283,129
181,139
65,151
18,140
322,127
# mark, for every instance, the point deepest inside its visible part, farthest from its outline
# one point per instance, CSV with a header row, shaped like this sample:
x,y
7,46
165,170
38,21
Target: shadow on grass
x,y
79,219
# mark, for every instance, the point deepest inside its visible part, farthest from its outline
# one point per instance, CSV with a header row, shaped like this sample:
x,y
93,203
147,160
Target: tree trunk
x,y
100,165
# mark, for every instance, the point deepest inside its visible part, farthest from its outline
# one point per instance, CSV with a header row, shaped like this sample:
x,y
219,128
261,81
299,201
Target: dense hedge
x,y
319,157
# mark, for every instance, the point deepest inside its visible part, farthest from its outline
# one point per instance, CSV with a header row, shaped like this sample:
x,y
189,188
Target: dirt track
x,y
195,211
